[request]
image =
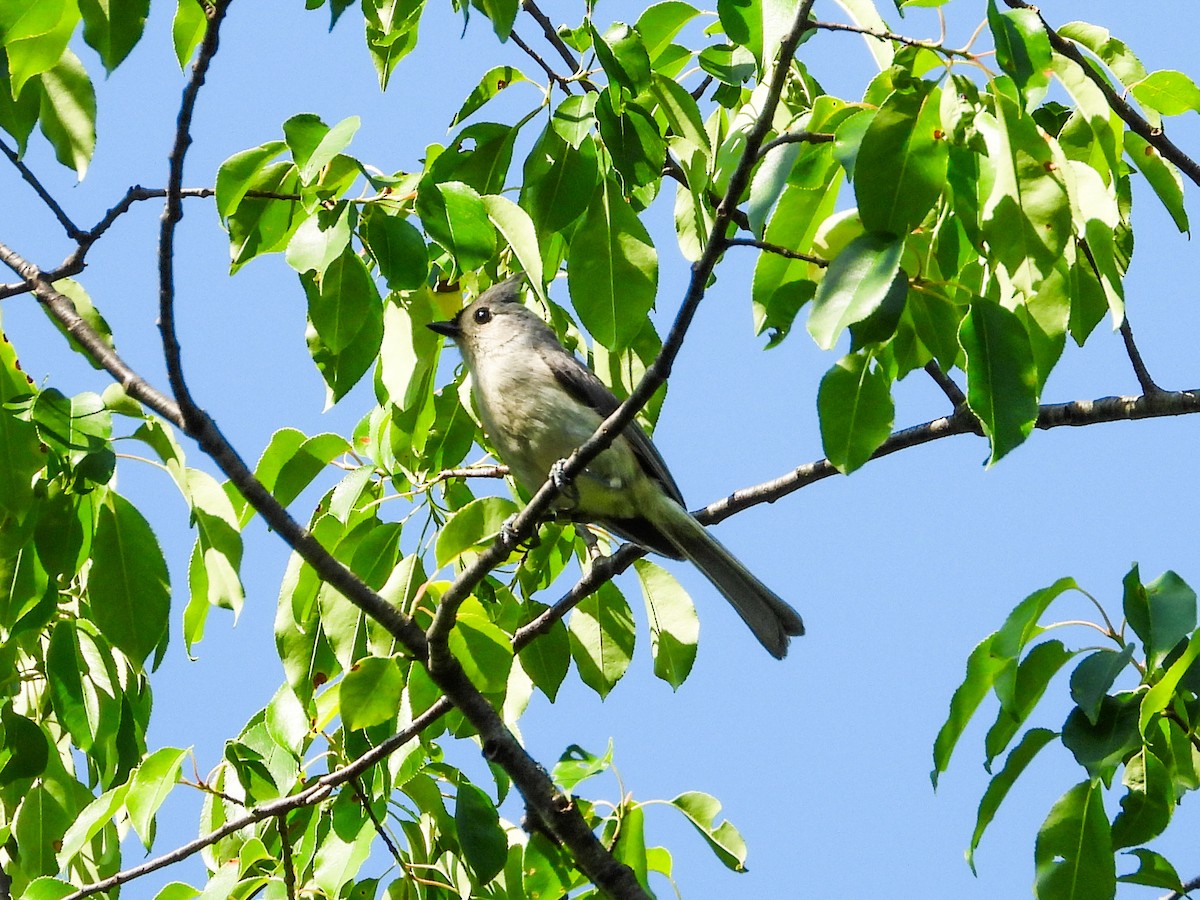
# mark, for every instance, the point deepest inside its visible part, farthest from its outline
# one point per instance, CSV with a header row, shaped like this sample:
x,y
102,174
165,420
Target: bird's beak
x,y
450,328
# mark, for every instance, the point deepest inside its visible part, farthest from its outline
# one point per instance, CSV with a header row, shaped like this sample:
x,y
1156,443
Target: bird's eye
x,y
483,315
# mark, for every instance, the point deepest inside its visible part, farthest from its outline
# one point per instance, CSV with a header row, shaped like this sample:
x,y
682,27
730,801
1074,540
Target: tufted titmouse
x,y
538,403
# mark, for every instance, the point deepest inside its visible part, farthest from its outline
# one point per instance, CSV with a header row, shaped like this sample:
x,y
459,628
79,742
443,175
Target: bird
x,y
538,403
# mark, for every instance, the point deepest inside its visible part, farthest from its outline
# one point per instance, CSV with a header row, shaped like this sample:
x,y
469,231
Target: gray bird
x,y
538,403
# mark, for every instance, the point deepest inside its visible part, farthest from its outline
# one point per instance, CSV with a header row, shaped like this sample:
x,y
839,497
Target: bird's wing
x,y
583,384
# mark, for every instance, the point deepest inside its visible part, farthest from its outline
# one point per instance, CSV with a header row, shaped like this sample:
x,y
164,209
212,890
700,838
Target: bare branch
x,y
310,796
552,37
1138,125
379,829
952,391
795,137
1135,358
892,36
59,213
63,309
467,472
289,864
545,66
777,250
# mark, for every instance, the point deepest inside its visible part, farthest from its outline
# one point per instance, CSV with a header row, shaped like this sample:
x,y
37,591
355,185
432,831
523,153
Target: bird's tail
x,y
771,619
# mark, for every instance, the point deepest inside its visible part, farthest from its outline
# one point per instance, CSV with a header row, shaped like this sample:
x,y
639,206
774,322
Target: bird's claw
x,y
508,534
566,487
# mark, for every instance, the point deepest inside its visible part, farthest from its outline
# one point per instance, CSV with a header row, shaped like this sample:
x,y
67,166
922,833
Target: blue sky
x,y
821,760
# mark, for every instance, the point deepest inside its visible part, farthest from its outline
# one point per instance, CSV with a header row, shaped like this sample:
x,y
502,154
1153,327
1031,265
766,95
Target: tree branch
x,y
558,813
552,36
310,796
59,213
1135,358
777,250
795,137
949,387
1138,125
536,57
892,36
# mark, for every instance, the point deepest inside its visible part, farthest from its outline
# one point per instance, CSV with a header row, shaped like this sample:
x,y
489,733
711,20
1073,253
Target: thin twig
x,y
795,137
777,249
379,829
466,472
59,213
310,796
1138,125
552,36
289,864
1147,383
948,385
892,36
536,57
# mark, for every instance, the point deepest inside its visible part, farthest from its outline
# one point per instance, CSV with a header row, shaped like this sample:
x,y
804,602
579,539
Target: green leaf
x,y
1074,852
19,114
370,692
25,749
1112,51
547,659
1021,756
314,144
477,522
320,239
623,56
129,588
482,647
240,172
68,113
454,215
1162,175
612,272
1100,748
345,300
1026,217
856,284
901,166
724,840
36,37
1030,681
1160,696
577,764
559,181
148,788
517,229
21,458
602,637
633,140
98,814
658,25
1001,375
113,27
856,410
1168,92
398,248
729,64
630,847
265,224
1022,49
492,83
1162,613
1092,678
992,658
674,625
1153,871
78,706
483,841
1148,803
47,888
187,30
342,369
